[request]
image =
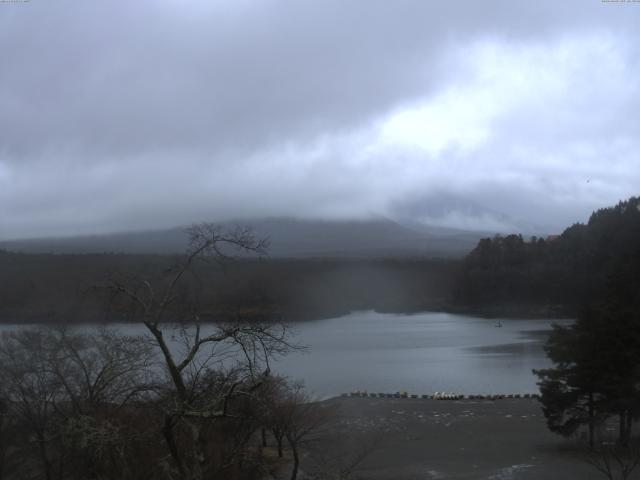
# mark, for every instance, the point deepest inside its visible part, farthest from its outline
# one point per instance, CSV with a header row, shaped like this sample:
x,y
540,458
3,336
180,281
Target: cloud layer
x,y
131,115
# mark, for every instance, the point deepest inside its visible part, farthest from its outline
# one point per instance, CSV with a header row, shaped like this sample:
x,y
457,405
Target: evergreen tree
x,y
569,391
596,372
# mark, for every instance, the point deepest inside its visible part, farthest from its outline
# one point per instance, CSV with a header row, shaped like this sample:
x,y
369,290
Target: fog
x,y
475,115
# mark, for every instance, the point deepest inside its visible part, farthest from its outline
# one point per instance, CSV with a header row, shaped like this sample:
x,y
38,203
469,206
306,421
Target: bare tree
x,y
213,364
31,392
272,411
5,433
61,391
294,416
94,405
100,369
104,376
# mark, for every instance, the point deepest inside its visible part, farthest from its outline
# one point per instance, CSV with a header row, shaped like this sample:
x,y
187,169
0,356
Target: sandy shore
x,y
436,439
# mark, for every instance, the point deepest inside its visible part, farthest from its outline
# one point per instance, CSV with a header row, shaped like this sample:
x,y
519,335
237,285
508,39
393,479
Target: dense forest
x,y
503,275
595,374
68,288
556,275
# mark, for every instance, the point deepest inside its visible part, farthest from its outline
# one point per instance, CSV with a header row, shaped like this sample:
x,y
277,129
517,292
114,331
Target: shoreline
x,y
293,318
439,396
455,439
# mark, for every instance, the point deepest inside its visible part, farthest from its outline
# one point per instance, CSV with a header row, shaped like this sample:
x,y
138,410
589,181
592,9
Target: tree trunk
x,y
2,459
296,460
46,465
263,431
200,448
623,436
621,424
279,438
167,431
591,420
174,372
3,447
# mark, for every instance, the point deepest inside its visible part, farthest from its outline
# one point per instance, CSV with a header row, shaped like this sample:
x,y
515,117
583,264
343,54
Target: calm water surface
x,y
419,353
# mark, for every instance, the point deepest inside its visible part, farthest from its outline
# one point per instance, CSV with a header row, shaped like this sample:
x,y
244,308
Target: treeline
x,y
595,373
557,275
503,275
68,288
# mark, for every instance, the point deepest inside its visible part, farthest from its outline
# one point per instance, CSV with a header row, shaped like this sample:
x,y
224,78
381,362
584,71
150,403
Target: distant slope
x,y
380,237
288,237
159,242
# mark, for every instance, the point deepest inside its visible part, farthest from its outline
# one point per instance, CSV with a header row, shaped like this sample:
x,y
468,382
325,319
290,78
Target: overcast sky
x,y
141,114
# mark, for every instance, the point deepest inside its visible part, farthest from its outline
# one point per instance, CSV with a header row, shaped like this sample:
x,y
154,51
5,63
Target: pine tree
x,y
596,373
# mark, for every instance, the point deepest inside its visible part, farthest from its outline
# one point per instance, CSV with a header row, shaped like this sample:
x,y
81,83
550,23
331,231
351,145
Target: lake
x,y
420,353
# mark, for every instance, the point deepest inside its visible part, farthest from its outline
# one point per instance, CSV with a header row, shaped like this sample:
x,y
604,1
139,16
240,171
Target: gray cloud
x,y
117,115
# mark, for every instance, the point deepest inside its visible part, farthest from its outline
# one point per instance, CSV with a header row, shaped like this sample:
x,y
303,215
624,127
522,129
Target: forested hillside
x,y
49,287
557,275
507,275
